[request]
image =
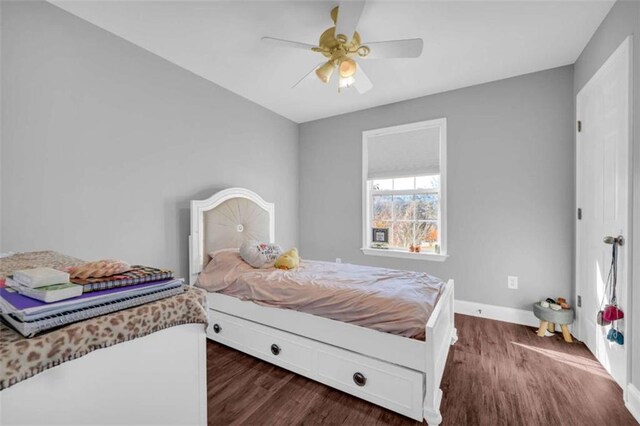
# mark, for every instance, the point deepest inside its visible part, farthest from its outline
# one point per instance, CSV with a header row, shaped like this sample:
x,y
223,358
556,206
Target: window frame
x,y
367,192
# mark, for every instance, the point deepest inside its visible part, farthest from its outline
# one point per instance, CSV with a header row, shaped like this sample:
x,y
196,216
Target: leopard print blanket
x,y
36,259
22,358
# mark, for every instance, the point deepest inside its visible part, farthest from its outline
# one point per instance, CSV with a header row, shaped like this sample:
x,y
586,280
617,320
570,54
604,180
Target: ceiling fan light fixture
x,y
325,71
363,51
342,38
347,68
341,45
345,82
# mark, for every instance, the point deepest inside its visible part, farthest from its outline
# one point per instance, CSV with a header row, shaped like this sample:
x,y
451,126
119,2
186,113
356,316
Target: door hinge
x,y
579,301
579,214
579,126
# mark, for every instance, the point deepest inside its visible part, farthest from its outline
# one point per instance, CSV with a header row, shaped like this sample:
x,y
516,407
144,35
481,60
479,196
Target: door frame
x,y
628,238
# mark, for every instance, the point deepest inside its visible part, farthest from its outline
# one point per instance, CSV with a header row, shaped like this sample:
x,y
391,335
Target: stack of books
x,y
40,299
45,284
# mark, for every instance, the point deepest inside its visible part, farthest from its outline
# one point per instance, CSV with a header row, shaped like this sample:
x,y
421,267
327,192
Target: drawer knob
x,y
217,328
359,379
275,349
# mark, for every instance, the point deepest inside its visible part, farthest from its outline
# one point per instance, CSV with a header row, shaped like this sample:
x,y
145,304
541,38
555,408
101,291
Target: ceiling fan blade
x,y
411,48
308,76
362,83
348,16
288,43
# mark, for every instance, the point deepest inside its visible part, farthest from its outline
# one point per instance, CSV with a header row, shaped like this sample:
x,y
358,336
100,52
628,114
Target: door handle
x,y
619,240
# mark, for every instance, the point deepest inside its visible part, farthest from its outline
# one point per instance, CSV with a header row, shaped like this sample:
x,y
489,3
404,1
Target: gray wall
x,y
510,196
623,20
104,144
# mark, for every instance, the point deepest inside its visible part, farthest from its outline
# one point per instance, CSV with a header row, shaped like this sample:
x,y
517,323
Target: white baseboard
x,y
633,401
499,313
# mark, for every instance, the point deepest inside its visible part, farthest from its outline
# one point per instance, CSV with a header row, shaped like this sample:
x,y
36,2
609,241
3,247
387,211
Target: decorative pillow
x,y
288,260
259,255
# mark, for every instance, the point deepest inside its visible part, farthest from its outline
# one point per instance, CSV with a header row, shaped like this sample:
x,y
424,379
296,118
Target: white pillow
x,y
259,255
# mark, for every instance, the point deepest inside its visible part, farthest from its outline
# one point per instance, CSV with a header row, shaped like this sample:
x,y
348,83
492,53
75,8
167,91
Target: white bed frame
x,y
395,372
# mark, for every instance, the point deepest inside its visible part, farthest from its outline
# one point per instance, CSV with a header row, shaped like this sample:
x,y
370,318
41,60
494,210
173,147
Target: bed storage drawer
x,y
397,388
226,329
289,351
388,385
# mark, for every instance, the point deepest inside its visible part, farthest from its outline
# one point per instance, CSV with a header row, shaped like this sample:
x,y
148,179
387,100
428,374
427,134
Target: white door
x,y
603,196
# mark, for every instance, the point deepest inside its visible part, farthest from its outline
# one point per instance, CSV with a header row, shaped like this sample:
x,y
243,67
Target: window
x,y
404,191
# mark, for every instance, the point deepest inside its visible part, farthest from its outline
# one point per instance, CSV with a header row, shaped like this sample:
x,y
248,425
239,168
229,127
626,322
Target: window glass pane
x,y
427,234
403,183
401,234
410,219
427,206
403,207
381,208
428,182
382,184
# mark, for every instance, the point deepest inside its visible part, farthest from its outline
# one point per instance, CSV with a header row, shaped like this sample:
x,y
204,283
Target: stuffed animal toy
x,y
288,260
259,255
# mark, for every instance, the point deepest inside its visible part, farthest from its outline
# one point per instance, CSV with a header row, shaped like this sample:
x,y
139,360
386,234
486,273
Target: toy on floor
x,y
556,305
550,313
288,260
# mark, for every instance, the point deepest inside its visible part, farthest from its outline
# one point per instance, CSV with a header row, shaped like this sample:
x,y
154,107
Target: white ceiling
x,y
466,43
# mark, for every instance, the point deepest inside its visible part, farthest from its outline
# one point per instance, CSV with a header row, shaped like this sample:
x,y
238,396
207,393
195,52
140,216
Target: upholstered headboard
x,y
226,220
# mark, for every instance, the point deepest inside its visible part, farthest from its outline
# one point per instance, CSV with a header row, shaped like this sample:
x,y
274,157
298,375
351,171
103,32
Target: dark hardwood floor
x,y
497,374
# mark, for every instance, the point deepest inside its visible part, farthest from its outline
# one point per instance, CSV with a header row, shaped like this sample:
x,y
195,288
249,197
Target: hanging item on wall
x,y
610,313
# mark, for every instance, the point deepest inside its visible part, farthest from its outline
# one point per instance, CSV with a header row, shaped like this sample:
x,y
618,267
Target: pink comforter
x,y
388,300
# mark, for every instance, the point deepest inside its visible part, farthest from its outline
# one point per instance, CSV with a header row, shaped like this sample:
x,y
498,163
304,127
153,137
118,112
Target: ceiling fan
x,y
342,45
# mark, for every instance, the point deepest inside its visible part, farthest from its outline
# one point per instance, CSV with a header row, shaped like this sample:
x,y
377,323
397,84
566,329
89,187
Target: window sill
x,y
436,257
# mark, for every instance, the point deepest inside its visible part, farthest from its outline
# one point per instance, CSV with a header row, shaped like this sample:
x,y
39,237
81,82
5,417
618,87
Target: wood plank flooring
x,y
497,374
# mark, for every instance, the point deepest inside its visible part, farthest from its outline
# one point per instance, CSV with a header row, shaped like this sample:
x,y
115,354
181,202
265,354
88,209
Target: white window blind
x,y
409,153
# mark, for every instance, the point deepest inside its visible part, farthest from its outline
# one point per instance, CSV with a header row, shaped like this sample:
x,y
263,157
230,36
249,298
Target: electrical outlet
x,y
338,260
512,282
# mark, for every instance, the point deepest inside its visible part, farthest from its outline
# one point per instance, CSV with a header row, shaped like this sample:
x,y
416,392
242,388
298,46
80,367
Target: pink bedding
x,y
388,300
